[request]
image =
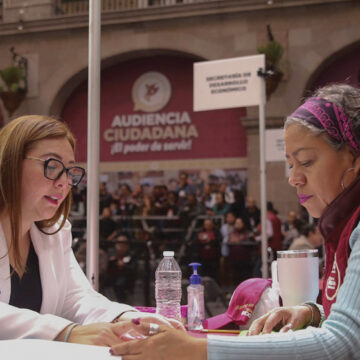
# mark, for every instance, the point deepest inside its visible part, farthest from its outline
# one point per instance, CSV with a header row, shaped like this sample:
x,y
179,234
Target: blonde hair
x,y
17,138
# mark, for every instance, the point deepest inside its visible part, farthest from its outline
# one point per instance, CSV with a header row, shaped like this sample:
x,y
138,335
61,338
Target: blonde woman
x,y
43,292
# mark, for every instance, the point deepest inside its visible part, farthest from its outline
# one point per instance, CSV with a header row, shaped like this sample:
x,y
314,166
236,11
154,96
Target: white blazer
x,y
67,294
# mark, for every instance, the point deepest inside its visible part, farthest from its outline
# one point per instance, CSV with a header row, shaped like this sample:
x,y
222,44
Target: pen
x,y
221,331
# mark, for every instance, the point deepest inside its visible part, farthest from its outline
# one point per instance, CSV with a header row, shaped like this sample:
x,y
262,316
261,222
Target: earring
x,y
343,177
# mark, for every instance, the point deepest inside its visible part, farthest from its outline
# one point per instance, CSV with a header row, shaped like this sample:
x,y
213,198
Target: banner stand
x,y
217,85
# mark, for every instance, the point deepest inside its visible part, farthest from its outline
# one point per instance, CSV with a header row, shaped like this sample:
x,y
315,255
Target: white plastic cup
x,y
298,276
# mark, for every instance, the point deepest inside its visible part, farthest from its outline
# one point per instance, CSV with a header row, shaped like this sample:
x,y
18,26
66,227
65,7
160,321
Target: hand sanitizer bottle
x,y
196,308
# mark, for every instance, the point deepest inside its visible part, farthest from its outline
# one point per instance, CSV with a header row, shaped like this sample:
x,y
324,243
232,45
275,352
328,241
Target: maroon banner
x,y
146,115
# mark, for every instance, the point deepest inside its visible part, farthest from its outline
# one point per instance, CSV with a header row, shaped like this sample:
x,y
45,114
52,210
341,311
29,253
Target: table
x,y
54,350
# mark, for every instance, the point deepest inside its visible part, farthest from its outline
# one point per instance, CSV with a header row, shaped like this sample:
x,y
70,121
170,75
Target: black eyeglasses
x,y
53,170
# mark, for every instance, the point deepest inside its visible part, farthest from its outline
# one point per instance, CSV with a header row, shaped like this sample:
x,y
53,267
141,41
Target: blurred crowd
x,y
217,227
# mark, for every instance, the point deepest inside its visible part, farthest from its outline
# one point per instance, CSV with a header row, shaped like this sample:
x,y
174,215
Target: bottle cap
x,y
195,278
168,253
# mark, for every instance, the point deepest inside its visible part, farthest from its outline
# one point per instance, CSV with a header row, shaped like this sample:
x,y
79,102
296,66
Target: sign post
x,y
264,242
237,82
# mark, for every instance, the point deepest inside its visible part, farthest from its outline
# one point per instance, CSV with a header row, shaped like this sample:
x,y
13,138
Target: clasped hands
x,y
109,334
169,336
180,346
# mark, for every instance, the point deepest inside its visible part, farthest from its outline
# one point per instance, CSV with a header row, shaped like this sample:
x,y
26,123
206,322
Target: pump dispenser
x,y
196,308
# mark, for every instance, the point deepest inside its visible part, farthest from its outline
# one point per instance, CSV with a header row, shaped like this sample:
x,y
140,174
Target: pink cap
x,y
242,304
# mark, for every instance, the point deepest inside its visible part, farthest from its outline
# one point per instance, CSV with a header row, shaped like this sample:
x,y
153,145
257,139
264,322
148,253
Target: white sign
x,y
275,149
229,83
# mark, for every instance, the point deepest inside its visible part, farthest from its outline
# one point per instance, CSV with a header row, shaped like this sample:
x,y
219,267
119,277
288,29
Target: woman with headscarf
x,y
322,143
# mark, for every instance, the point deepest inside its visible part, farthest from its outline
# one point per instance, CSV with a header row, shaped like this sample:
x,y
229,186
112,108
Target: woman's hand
x,y
102,334
152,318
168,343
281,319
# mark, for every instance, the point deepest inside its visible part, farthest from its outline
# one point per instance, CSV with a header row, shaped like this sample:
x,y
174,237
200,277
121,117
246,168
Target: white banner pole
x,y
264,242
93,144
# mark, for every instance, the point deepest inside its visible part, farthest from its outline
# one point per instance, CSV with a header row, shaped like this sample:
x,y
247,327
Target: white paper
x,y
30,349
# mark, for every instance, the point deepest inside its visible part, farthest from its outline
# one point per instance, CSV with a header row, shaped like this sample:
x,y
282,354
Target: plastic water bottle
x,y
168,287
196,308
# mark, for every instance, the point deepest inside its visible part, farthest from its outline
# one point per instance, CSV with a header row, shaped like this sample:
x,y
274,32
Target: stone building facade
x,y
321,40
